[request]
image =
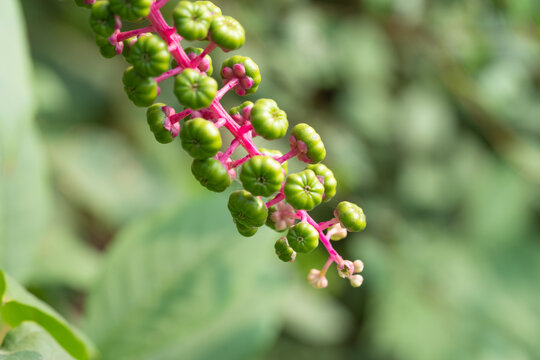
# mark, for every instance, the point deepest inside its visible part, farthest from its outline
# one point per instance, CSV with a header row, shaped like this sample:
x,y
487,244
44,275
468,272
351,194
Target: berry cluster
x,y
155,54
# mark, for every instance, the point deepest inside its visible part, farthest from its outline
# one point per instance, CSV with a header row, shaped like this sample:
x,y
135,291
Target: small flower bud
x,y
313,276
356,280
347,270
358,266
337,232
321,283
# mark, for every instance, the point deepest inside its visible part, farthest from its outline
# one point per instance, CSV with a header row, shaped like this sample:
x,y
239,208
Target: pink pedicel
x,y
240,128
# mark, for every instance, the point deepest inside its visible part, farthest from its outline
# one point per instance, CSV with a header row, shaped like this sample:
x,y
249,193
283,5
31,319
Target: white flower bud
x,y
358,266
356,280
313,275
337,232
321,283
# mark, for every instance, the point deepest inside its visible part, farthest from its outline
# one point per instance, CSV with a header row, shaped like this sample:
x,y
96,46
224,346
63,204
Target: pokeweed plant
x,y
155,53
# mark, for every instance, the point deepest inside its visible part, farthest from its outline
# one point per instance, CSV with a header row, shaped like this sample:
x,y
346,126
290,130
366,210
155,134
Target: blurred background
x,y
430,113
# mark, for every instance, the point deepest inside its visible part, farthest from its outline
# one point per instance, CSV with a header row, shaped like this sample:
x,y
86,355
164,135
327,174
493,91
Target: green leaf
x,y
19,306
104,174
29,341
22,172
184,284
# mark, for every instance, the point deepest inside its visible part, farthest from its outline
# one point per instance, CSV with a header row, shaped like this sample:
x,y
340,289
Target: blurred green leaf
x,y
29,341
19,306
23,209
184,284
105,175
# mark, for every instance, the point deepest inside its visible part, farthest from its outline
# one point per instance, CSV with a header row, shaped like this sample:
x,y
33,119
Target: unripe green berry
x,y
102,19
245,230
350,216
156,117
140,89
303,190
241,113
328,179
274,154
268,120
106,49
200,138
303,237
247,209
262,175
194,90
283,250
308,143
192,19
131,9
82,3
211,174
149,55
227,33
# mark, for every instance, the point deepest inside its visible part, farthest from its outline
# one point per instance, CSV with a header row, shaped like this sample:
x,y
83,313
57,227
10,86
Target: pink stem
x,y
280,196
168,34
230,150
233,127
239,162
169,73
326,224
287,156
197,60
89,2
119,37
228,86
334,256
327,265
174,118
220,122
160,3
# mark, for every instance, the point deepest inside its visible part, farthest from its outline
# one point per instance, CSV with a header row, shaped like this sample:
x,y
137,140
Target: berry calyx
x,y
245,70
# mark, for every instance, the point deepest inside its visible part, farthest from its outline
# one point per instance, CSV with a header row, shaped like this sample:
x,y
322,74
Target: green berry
x,y
303,190
128,43
350,216
227,33
274,154
245,230
105,47
308,143
262,175
250,80
268,119
149,55
303,237
211,174
140,89
200,138
194,90
247,209
214,10
205,65
283,250
156,117
329,181
102,19
131,9
192,19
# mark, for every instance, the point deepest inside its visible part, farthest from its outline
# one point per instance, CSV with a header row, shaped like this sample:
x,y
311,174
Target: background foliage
x,y
430,111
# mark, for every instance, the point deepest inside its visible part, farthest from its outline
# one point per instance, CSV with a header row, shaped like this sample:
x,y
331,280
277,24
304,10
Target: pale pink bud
x,y
358,266
239,70
356,280
227,72
246,82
